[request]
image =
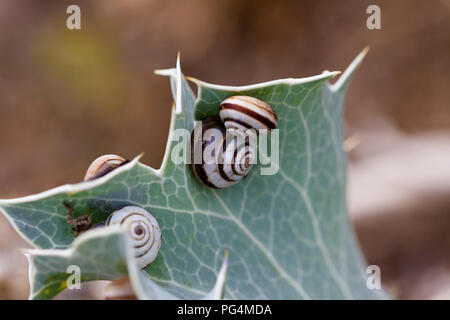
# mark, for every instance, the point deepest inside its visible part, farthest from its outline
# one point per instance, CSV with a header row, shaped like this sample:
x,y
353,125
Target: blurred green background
x,y
67,97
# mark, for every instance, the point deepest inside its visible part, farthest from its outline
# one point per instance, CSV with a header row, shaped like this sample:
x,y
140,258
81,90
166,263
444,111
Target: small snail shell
x,y
218,159
119,289
103,165
240,113
143,231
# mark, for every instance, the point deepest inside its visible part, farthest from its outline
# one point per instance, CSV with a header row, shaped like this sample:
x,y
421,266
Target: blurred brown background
x,y
68,96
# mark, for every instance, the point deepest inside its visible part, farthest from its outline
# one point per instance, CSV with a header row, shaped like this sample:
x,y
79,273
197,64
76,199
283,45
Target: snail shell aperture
x,y
239,113
143,231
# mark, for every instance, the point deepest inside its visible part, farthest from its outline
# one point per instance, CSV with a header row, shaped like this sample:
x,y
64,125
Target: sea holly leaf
x,y
103,253
287,234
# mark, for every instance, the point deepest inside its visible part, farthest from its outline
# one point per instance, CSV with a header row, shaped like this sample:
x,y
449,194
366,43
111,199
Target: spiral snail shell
x,y
103,165
143,231
239,113
218,159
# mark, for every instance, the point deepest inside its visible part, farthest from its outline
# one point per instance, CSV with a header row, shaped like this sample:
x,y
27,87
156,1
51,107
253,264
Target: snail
x,y
218,159
103,165
239,113
143,231
98,168
222,157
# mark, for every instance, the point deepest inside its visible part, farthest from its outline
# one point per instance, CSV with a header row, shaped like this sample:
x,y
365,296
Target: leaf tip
x,y
178,59
365,50
194,80
333,74
178,100
164,72
139,156
24,251
218,292
343,81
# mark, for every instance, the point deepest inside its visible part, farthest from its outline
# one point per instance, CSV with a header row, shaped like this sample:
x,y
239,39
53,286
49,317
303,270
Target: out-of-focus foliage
x,y
45,116
85,63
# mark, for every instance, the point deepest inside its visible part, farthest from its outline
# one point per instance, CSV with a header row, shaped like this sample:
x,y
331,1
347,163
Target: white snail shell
x,y
219,160
103,165
143,231
240,113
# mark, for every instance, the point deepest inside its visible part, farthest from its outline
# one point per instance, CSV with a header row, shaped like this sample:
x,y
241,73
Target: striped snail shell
x,y
103,165
143,231
219,160
240,113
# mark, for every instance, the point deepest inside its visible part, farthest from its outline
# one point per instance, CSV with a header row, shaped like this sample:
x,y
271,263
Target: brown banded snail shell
x,y
219,160
103,165
240,113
